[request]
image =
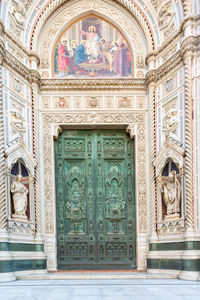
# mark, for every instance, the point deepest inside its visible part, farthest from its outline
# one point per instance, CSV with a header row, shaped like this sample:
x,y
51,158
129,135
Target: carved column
x,y
188,142
3,222
35,112
186,7
4,255
152,156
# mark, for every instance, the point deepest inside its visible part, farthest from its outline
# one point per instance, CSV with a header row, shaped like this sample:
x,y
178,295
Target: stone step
x,y
96,275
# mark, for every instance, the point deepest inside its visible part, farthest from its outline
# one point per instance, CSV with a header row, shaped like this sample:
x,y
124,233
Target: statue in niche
x,y
20,201
171,194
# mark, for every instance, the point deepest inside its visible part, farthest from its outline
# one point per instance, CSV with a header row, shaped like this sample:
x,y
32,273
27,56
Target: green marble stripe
x,y
189,245
4,246
22,265
174,264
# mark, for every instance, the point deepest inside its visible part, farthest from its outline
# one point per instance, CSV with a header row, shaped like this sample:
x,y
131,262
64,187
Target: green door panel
x,y
95,199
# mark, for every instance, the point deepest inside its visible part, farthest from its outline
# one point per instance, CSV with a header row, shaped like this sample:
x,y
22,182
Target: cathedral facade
x,y
100,136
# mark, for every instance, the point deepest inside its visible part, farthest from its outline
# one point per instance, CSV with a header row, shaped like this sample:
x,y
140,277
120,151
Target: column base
x,y
187,275
5,277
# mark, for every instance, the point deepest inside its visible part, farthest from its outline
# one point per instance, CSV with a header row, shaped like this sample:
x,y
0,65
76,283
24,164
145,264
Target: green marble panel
x,y
4,246
189,245
174,264
22,265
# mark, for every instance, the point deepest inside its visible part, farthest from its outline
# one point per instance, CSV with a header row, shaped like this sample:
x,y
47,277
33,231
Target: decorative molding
x,y
91,84
20,151
157,74
172,149
171,226
190,44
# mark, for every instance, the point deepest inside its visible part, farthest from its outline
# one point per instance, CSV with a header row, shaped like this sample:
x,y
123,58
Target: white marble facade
x,y
158,106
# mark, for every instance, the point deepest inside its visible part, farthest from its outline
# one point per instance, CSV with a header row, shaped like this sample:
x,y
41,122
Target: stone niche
x,y
20,191
170,187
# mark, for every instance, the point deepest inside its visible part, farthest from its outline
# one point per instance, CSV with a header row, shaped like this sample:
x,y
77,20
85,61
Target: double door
x,y
95,199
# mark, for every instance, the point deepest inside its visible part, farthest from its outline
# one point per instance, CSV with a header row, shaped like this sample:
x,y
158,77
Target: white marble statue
x,y
171,192
19,192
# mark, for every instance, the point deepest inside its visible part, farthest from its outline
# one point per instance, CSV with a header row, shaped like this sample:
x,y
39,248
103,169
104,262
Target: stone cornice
x,y
170,64
188,45
29,75
17,66
92,84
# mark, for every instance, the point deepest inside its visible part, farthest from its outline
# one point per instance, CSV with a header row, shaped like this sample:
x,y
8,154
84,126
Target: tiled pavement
x,y
101,289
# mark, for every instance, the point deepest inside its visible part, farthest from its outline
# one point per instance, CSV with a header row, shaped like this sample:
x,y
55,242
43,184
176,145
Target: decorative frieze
x,y
91,84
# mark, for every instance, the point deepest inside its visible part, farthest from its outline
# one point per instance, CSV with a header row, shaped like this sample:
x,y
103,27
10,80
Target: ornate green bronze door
x,y
95,199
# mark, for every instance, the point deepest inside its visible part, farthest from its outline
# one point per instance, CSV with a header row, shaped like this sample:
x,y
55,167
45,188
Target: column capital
x,y
35,77
34,60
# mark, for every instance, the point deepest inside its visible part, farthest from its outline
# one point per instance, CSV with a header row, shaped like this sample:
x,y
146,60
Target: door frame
x,y
52,126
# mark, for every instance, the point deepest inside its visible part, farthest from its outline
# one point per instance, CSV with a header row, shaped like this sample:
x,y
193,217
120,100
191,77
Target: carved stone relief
x,y
124,102
166,19
93,102
170,124
18,126
17,18
61,102
18,13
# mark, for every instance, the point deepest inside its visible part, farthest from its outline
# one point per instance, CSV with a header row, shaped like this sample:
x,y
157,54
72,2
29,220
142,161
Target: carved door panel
x,y
115,201
95,199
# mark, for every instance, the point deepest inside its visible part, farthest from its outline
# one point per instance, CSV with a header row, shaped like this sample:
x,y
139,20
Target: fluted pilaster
x,y
188,142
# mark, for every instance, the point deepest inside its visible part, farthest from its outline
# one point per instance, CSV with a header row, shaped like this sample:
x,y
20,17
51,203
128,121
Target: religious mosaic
x,y
92,47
